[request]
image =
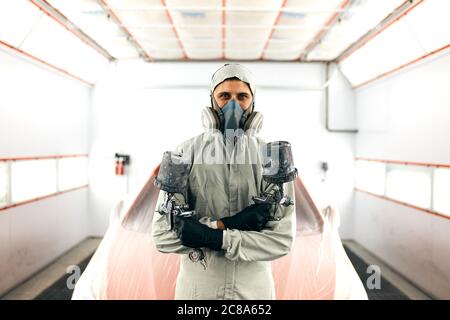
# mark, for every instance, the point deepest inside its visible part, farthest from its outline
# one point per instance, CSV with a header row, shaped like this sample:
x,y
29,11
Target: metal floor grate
x,y
387,290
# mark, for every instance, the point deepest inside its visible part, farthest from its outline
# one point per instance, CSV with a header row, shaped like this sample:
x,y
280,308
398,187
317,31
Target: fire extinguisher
x,y
119,167
121,161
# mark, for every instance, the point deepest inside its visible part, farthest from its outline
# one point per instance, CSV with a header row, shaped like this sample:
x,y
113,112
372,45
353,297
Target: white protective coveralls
x,y
220,186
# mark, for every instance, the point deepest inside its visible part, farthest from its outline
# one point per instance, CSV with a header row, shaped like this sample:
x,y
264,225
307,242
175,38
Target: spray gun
x,y
173,179
278,168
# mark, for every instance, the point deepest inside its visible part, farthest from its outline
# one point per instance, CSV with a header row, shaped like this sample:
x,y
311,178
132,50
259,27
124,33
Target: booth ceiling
x,y
81,35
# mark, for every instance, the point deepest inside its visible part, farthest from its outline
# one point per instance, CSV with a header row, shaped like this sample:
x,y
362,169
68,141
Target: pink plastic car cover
x,y
127,265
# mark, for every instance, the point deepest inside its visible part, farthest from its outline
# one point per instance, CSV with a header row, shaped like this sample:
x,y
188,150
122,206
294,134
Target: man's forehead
x,y
233,85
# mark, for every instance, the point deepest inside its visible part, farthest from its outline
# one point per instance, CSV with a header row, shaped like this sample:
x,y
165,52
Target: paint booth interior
x,y
94,91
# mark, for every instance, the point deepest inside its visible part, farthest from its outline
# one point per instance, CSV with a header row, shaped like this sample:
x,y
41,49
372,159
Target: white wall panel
x,y
41,113
406,117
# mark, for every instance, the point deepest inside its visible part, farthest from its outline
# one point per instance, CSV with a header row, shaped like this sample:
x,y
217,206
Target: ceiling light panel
x,y
148,21
239,16
394,47
308,17
357,20
17,18
430,24
280,50
199,26
93,20
197,50
52,43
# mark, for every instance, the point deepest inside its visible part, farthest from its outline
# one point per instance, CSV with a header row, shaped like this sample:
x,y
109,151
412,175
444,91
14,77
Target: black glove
x,y
252,218
197,235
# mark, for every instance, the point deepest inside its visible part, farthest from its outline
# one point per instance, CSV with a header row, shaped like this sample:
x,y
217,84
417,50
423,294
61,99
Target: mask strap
x,y
216,117
249,121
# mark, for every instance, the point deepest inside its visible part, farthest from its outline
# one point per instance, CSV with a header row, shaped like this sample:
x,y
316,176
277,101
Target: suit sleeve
x,y
273,242
166,241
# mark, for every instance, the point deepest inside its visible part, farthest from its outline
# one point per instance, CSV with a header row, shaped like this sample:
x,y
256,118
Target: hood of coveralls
x,y
250,117
233,70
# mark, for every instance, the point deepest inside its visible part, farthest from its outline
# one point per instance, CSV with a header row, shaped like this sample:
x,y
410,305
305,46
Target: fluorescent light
x,y
394,47
32,178
354,23
72,172
441,199
370,176
409,184
4,179
430,24
17,18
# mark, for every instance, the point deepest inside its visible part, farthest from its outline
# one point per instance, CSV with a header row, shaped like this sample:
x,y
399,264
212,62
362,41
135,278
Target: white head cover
x,y
233,70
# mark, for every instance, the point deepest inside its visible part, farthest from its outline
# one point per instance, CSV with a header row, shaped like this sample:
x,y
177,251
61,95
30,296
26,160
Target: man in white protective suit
x,y
237,237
